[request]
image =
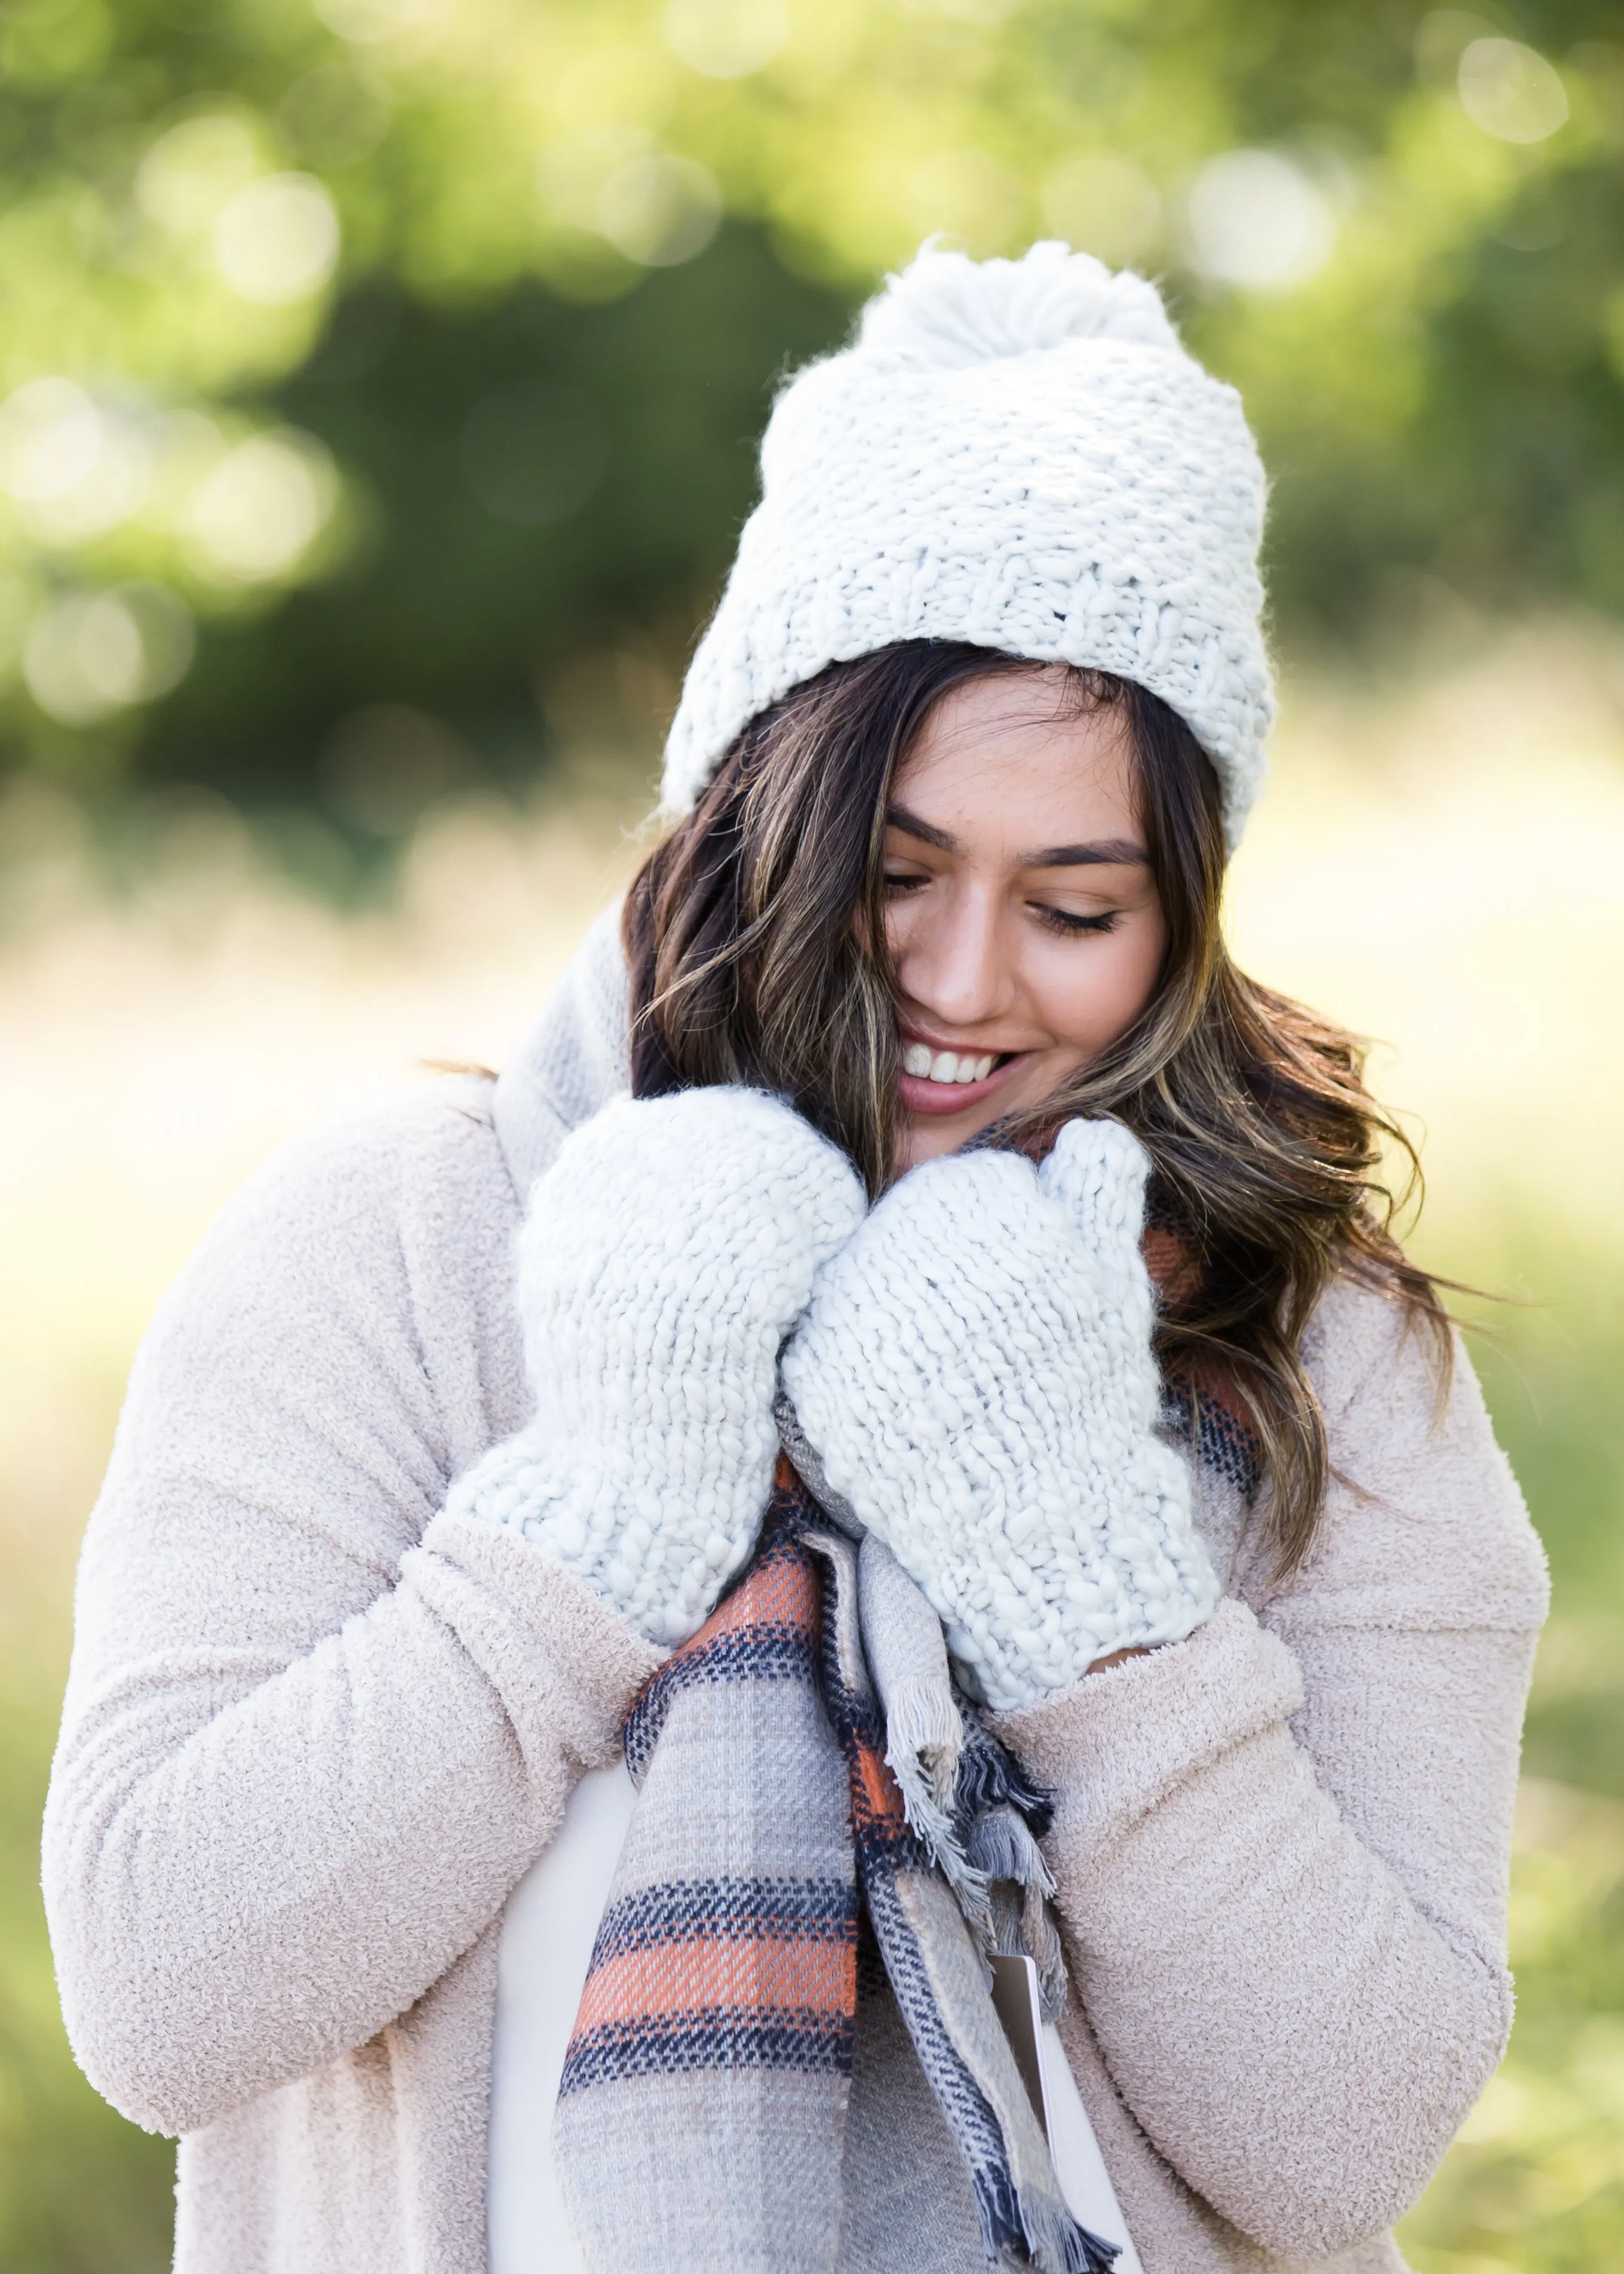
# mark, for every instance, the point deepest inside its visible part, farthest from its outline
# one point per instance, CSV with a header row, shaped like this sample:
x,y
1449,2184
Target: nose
x,y
954,966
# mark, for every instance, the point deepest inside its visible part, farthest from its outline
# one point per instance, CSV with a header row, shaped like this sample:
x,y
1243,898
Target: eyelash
x,y
1069,926
1055,920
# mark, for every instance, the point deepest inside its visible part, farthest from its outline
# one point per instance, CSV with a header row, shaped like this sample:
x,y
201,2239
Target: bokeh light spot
x,y
366,21
1511,90
659,210
278,240
74,468
1255,219
256,514
189,173
90,654
572,174
726,38
50,437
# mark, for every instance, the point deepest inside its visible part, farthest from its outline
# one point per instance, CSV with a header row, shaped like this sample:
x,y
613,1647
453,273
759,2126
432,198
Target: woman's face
x,y
1024,927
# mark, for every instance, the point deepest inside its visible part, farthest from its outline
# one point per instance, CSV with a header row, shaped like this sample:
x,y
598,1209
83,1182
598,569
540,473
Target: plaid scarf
x,y
804,1758
700,2120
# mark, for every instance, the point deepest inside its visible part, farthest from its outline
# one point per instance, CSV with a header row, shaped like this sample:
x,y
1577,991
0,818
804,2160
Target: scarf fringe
x,y
924,1734
1022,1927
1040,2233
989,1778
1001,1847
1005,1816
1055,2239
924,1746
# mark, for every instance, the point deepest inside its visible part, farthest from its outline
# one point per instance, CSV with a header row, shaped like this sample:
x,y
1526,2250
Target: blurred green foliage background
x,y
379,382
372,356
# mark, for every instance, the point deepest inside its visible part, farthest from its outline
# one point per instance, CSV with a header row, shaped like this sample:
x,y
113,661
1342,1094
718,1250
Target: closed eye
x,y
1069,925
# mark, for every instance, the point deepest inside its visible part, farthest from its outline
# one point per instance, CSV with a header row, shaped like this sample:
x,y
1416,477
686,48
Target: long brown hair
x,y
756,936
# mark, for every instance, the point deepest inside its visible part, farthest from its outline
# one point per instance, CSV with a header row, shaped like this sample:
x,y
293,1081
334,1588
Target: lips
x,y
935,1081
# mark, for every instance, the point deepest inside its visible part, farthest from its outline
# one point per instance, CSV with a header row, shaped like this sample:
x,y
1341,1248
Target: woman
x,y
929,1008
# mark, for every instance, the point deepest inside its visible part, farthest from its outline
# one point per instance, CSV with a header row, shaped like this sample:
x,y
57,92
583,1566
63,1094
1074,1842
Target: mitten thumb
x,y
1096,1172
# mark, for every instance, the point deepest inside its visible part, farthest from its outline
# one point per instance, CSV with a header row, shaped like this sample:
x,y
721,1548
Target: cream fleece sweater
x,y
317,1730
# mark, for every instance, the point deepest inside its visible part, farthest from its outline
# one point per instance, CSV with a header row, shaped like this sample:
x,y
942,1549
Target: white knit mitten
x,y
975,1374
666,1253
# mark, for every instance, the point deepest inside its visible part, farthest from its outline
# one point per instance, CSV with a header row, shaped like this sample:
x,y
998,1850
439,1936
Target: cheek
x,y
1093,995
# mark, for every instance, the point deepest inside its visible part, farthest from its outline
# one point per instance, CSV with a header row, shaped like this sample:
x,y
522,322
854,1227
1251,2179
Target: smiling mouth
x,y
951,1068
937,1081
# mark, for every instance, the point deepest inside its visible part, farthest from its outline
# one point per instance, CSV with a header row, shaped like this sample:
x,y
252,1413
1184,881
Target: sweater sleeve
x,y
315,1730
1281,1845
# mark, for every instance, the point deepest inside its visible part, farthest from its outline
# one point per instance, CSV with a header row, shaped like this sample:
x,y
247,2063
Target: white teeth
x,y
943,1066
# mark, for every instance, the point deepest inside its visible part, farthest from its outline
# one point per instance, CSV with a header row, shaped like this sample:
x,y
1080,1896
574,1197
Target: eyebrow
x,y
1100,852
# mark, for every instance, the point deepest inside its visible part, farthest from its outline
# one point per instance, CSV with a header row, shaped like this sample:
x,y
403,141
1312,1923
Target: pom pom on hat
x,y
949,310
1018,454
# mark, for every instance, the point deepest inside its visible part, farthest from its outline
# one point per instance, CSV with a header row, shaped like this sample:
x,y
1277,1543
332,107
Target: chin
x,y
929,1136
928,1139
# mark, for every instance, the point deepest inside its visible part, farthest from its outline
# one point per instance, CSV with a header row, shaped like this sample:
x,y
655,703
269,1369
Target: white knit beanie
x,y
1018,454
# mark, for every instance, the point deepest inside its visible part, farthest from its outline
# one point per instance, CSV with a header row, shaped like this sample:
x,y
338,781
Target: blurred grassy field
x,y
1438,863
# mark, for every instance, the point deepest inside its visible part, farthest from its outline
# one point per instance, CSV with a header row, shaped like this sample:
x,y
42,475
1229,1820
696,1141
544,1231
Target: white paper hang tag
x,y
1052,2088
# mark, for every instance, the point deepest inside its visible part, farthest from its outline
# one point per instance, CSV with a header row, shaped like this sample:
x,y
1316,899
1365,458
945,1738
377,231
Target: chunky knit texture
x,y
668,1252
975,1373
1018,454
